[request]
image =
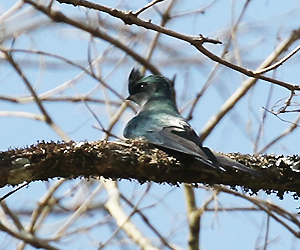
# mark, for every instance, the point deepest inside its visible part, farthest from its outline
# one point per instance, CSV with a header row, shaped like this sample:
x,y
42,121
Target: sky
x,y
264,26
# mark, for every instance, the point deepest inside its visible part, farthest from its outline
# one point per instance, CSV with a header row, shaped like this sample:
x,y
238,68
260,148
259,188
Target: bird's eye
x,y
142,85
139,87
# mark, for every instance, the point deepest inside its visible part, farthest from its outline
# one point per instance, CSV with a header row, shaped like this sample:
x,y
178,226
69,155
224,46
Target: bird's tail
x,y
222,162
228,163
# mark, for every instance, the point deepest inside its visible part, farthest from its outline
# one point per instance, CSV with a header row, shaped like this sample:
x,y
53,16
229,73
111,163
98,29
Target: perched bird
x,y
160,123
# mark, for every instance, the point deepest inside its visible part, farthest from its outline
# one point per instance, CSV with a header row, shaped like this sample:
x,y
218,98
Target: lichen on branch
x,y
136,159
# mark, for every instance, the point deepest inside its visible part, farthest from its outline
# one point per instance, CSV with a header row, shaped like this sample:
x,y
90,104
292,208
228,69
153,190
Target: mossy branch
x,y
136,159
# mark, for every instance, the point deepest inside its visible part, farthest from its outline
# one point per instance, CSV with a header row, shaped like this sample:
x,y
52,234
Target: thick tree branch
x,y
136,159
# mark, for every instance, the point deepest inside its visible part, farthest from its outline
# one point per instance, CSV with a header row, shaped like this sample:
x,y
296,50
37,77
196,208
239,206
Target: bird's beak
x,y
133,98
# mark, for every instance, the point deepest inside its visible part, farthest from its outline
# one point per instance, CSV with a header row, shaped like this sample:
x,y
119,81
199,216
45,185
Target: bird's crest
x,y
135,75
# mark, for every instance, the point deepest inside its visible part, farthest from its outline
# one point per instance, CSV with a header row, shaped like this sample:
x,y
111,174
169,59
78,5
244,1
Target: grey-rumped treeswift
x,y
160,123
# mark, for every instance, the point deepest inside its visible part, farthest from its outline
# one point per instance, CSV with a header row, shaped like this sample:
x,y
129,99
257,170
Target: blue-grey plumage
x,y
160,122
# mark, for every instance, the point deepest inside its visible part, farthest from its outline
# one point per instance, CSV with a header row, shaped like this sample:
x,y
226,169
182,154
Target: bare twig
x,y
246,85
18,5
193,220
13,191
129,18
267,233
28,238
12,215
61,58
136,13
48,119
289,130
217,65
262,122
201,10
43,205
272,210
146,220
194,215
60,232
23,114
279,63
165,19
286,104
123,221
74,99
59,17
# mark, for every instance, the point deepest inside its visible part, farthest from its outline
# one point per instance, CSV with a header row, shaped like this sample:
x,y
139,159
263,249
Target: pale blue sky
x,y
263,23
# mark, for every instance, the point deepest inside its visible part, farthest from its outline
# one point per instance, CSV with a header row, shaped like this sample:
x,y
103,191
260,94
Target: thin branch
x,y
57,16
60,232
289,130
28,238
262,121
12,215
281,119
164,21
115,118
146,220
74,99
194,215
286,104
17,6
61,58
136,13
246,85
267,233
272,210
279,63
193,220
43,205
197,41
48,119
23,114
13,191
217,65
123,221
201,10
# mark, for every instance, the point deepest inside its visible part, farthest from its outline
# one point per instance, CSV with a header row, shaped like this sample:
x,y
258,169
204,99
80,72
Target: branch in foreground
x,y
136,159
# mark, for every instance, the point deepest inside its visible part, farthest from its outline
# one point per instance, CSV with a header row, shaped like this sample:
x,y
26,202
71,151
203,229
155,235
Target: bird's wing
x,y
185,140
176,138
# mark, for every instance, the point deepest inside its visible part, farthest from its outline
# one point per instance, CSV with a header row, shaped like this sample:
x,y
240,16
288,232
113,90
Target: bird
x,y
160,123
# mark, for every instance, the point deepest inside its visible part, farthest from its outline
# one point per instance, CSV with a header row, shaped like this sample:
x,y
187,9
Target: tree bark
x,y
137,159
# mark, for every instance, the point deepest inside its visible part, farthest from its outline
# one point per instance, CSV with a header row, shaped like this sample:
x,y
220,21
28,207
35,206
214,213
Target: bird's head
x,y
142,89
